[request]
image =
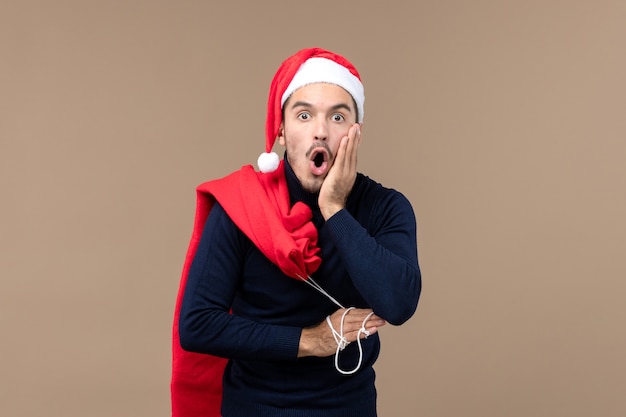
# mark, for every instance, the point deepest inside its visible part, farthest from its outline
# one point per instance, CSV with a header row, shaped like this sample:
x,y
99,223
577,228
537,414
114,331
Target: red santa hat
x,y
307,66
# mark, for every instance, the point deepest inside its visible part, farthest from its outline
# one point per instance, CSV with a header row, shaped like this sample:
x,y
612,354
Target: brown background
x,y
502,121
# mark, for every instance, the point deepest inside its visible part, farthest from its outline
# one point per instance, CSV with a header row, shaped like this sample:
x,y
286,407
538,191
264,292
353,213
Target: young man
x,y
292,270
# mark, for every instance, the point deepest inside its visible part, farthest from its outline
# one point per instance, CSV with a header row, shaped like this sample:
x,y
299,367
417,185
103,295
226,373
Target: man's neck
x,y
296,192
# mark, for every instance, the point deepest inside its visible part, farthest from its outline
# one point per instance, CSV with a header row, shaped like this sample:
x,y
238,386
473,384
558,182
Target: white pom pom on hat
x,y
307,66
268,161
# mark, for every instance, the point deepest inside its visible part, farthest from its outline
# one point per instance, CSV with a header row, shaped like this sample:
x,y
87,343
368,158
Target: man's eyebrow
x,y
333,108
300,104
342,106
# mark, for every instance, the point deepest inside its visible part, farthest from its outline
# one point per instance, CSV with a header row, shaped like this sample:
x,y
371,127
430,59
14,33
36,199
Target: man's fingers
x,y
346,155
357,318
352,147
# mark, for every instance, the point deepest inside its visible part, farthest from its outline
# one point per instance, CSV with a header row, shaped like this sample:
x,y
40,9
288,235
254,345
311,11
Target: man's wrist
x,y
304,347
329,211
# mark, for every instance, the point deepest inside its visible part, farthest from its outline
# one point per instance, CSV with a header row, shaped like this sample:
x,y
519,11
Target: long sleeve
x,y
379,248
206,325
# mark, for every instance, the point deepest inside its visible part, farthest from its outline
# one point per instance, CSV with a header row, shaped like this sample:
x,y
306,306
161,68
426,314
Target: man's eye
x,y
338,118
303,116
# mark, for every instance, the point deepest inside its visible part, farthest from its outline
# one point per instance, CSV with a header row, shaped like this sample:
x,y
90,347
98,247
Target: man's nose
x,y
321,130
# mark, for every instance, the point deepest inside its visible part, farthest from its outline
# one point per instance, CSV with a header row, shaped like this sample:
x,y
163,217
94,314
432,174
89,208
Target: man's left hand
x,y
340,179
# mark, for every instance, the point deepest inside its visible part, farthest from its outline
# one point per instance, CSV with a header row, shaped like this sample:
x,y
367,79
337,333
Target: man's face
x,y
316,117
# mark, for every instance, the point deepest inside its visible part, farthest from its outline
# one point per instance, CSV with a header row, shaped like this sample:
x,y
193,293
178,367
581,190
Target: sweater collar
x,y
296,192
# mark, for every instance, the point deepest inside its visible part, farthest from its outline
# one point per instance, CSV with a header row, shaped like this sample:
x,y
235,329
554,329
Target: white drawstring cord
x,y
318,287
342,342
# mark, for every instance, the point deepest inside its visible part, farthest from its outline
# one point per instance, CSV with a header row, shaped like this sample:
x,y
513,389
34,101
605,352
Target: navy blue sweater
x,y
369,259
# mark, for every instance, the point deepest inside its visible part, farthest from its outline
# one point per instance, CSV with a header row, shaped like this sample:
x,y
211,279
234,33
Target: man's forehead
x,y
311,93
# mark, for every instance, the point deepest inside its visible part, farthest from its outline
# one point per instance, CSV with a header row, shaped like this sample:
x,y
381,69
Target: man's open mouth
x,y
319,161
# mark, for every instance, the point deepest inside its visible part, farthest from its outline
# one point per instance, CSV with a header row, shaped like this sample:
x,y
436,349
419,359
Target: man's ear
x,y
281,134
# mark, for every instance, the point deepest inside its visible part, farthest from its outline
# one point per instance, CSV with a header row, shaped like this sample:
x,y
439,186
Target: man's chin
x,y
312,184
